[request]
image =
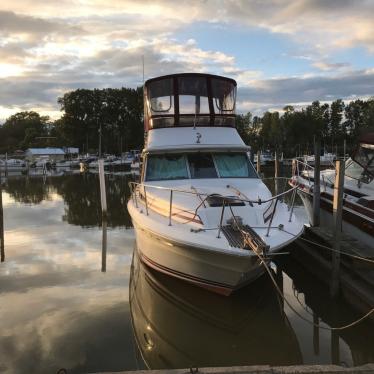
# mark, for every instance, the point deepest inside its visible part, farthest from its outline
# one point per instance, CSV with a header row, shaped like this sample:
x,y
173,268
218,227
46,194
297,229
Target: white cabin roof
x,y
188,138
45,151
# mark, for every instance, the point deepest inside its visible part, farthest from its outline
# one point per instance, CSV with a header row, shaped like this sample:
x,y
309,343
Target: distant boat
x,y
358,205
266,157
12,164
326,159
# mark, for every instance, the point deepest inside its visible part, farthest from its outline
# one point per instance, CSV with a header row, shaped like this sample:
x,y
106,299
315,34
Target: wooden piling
x,y
2,250
104,245
102,187
316,186
337,218
276,173
315,334
258,162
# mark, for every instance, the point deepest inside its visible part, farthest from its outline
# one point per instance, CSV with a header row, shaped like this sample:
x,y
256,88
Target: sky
x,y
280,52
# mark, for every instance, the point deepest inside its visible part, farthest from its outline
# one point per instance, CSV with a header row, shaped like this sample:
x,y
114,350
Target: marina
x,y
75,269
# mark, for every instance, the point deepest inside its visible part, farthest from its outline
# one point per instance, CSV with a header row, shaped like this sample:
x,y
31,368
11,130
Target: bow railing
x,y
139,196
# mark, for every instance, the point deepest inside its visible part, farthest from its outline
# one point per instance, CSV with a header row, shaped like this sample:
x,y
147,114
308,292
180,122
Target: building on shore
x,y
53,154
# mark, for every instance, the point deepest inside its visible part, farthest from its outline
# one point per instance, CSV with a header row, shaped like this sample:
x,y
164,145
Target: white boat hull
x,y
326,219
218,272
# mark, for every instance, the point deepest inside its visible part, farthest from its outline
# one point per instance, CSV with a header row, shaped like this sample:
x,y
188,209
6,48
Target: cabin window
x,y
161,97
201,166
166,167
193,95
234,165
224,95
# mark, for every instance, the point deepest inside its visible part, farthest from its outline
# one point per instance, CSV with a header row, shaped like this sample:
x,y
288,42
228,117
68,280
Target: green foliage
x,y
117,112
23,130
294,131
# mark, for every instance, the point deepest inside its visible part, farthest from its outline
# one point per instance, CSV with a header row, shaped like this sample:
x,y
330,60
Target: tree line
x,y
293,131
117,114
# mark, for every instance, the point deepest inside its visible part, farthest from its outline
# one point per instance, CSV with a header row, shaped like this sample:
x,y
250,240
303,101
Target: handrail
x,y
227,198
225,202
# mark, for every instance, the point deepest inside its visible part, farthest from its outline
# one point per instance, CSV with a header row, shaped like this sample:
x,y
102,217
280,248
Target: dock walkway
x,y
299,369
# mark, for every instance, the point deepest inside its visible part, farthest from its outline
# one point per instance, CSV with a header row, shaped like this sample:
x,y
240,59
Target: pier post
x,y
315,334
276,172
102,187
316,186
104,245
258,162
2,250
337,217
279,280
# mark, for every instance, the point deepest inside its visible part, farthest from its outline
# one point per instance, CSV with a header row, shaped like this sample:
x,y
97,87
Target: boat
x,y
326,159
266,157
200,211
358,204
12,164
111,162
177,325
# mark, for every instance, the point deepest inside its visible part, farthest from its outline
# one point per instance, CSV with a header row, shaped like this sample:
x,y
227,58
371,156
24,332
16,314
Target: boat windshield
x,y
198,166
362,165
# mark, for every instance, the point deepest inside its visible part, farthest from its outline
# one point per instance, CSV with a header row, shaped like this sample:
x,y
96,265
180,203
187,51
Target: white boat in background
x,y
12,164
326,159
67,164
200,212
358,205
266,157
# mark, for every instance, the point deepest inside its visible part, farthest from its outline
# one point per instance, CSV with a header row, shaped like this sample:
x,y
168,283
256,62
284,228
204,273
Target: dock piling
x,y
104,245
102,187
337,218
2,250
316,187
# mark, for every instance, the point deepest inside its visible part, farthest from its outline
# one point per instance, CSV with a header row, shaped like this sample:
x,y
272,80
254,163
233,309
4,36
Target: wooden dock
x,y
356,276
265,369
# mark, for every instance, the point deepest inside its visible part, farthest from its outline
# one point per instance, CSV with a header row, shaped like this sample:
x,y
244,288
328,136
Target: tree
x,y
23,130
118,113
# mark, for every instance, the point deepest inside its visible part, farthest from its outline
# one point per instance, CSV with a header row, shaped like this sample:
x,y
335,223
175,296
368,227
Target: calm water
x,y
72,297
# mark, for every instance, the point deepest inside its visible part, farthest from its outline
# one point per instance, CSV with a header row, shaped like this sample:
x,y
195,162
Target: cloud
x,y
48,48
278,92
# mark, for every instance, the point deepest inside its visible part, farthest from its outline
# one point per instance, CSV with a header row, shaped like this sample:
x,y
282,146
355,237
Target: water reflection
x,y
178,325
355,343
80,193
59,309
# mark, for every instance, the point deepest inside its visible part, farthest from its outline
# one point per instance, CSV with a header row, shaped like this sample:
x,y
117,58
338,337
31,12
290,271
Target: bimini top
x,y
189,100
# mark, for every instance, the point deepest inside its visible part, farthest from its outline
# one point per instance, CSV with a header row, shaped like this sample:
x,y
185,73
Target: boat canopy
x,y
364,155
189,99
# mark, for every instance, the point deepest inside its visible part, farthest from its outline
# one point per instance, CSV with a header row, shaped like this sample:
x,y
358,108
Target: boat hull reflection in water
x,y
177,325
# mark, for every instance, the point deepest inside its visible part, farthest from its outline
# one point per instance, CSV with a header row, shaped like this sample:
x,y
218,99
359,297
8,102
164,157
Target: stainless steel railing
x,y
135,191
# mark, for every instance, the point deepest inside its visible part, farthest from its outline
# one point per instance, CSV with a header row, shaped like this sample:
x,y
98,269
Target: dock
x,y
263,369
356,276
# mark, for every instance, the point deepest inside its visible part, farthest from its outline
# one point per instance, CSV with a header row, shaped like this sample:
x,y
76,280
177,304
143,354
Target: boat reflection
x,y
177,325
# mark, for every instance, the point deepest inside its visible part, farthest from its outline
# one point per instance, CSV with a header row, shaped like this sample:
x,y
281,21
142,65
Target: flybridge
x,y
189,100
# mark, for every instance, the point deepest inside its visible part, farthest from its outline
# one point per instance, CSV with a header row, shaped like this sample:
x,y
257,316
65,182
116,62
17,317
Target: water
x,y
65,296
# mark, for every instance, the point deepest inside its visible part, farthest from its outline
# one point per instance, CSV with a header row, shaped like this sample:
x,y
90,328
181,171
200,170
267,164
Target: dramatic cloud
x,y
48,48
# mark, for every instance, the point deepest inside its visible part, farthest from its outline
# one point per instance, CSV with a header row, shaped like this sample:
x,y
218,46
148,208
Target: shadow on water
x,y
178,325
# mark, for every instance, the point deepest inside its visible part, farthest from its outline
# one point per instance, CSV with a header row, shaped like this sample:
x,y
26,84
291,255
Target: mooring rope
x,y
263,261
